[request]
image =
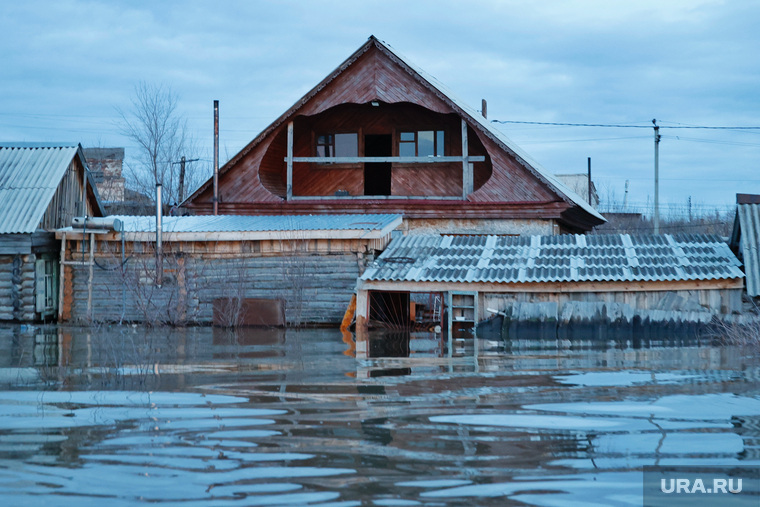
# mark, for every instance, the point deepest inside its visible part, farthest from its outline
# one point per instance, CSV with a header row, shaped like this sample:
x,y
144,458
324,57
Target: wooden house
x,y
43,187
379,135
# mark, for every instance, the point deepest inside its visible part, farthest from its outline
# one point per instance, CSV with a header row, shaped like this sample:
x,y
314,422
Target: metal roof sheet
x,y
29,176
565,258
262,223
749,222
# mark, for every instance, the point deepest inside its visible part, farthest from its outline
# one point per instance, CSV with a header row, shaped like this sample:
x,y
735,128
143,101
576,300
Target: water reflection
x,y
205,416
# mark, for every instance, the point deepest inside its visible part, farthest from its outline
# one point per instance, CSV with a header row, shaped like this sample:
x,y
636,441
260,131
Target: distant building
x,y
106,167
43,186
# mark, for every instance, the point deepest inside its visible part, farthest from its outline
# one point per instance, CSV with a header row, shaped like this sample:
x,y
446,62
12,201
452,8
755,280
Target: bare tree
x,y
154,123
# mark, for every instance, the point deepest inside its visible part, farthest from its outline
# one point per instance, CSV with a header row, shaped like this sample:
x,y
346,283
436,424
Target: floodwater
x,y
123,416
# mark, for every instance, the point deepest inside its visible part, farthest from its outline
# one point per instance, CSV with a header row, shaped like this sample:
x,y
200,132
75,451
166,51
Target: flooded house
x,y
379,135
286,227
43,186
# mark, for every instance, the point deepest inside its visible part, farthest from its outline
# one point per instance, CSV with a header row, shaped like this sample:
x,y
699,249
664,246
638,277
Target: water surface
x,y
122,416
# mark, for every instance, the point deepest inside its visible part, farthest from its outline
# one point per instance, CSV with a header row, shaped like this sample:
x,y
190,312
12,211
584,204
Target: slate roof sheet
x,y
565,258
29,176
748,216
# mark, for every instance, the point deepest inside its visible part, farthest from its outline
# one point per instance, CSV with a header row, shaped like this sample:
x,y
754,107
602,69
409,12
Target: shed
x,y
630,273
745,239
41,189
302,268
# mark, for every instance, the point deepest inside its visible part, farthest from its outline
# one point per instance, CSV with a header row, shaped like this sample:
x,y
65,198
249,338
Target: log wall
x,y
315,285
17,287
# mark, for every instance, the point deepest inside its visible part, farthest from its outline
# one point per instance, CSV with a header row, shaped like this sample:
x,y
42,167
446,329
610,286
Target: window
x,y
423,143
338,145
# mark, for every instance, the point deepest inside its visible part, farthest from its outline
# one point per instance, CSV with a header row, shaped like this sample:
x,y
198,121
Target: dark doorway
x,y
377,175
389,309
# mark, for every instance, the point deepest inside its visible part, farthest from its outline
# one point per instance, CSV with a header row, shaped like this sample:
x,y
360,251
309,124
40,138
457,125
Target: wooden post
x,y
467,185
62,277
362,317
89,279
290,161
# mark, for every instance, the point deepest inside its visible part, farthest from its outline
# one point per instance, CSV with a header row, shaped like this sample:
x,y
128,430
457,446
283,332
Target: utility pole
x,y
216,157
181,190
589,181
656,177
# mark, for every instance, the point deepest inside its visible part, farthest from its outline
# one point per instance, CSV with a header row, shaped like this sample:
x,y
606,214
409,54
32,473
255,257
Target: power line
x,y
623,126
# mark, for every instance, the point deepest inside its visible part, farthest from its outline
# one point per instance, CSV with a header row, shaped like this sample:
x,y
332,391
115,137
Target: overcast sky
x,y
66,65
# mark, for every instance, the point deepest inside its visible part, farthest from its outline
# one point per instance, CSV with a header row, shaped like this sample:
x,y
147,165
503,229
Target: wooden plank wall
x,y
66,202
316,288
12,244
17,287
724,301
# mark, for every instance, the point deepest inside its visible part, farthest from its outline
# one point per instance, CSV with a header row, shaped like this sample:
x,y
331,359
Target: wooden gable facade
x,y
380,136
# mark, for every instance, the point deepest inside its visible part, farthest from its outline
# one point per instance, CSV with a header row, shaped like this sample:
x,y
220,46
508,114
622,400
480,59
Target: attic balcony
x,y
382,177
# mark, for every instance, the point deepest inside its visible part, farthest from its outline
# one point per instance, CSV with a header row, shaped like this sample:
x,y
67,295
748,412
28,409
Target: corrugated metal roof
x,y
565,258
749,222
29,176
263,223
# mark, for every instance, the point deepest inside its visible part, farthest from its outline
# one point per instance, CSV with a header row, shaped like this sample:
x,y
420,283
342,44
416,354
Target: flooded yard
x,y
122,416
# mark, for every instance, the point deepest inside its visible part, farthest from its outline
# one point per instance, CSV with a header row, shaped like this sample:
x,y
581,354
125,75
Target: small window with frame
x,y
421,143
338,145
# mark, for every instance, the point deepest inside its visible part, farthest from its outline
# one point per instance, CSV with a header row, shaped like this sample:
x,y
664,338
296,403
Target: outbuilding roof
x,y
29,176
746,239
248,227
565,258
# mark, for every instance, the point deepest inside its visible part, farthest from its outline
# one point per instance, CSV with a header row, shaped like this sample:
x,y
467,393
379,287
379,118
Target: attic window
x,y
338,145
422,143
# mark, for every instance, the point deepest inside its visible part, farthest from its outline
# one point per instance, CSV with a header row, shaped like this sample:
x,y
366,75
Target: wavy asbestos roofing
x,y
29,176
565,258
749,222
263,223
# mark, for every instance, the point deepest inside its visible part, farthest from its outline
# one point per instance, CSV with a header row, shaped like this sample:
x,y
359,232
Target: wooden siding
x,y
12,244
315,278
17,287
67,200
373,76
316,289
721,301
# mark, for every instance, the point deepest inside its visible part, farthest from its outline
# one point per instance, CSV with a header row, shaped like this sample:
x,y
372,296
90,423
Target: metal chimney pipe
x,y
159,239
216,157
484,108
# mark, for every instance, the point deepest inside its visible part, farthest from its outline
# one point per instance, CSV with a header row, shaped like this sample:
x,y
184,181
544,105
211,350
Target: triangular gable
x,y
419,88
30,174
